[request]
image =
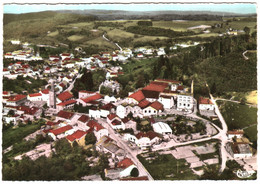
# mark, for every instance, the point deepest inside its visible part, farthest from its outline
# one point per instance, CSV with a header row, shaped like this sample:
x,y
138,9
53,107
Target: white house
x,y
15,42
35,97
98,129
85,94
16,100
144,140
206,104
61,132
95,113
185,103
235,133
153,109
117,124
162,128
121,111
167,101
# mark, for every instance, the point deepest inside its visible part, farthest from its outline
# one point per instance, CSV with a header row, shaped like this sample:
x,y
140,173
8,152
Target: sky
x,y
243,8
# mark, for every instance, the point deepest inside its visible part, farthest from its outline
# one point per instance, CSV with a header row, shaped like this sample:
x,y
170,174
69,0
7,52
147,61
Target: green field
x,y
181,25
166,167
75,38
12,136
239,116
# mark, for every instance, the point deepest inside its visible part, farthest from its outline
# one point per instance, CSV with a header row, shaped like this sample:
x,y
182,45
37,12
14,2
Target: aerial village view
x,y
129,92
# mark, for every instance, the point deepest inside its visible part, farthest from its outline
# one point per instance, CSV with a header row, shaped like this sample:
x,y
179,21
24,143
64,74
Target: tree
x,y
90,138
247,30
134,172
11,113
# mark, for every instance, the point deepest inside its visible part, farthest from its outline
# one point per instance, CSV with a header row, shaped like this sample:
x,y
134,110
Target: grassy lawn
x,y
117,34
75,38
52,34
12,136
251,132
252,97
166,167
102,43
239,116
181,25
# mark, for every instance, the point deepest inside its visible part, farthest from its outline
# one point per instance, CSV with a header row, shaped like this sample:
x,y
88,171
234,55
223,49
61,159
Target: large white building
x,y
185,103
162,128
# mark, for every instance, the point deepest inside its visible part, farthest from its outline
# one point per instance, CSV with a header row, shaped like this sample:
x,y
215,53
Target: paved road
x,y
131,153
72,84
222,99
222,134
246,58
112,42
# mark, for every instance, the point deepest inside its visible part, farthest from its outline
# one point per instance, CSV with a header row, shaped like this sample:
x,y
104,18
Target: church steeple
x,y
52,96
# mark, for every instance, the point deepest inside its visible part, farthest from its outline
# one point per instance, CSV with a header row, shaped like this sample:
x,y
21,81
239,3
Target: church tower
x,y
52,96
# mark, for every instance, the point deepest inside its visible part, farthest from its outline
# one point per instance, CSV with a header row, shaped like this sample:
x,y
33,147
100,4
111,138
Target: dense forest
x,y
67,163
219,62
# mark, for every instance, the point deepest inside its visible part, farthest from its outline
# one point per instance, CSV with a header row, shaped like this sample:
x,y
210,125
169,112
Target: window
x,y
179,104
149,111
188,105
184,104
154,111
145,111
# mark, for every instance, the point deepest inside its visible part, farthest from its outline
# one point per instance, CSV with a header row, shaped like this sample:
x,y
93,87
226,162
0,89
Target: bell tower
x,y
52,96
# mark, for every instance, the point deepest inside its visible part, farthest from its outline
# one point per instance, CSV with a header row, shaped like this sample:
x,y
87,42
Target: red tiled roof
x,y
67,103
76,135
157,105
95,125
5,69
65,54
125,120
141,178
61,130
35,94
83,118
108,106
28,110
92,98
168,81
62,85
138,96
45,91
111,116
204,101
65,96
144,103
116,122
155,87
180,88
46,130
160,83
50,123
16,98
5,92
125,163
236,132
65,114
149,134
84,91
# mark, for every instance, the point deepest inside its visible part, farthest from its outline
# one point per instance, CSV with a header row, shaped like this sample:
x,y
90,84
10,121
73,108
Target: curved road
x,y
222,134
112,42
